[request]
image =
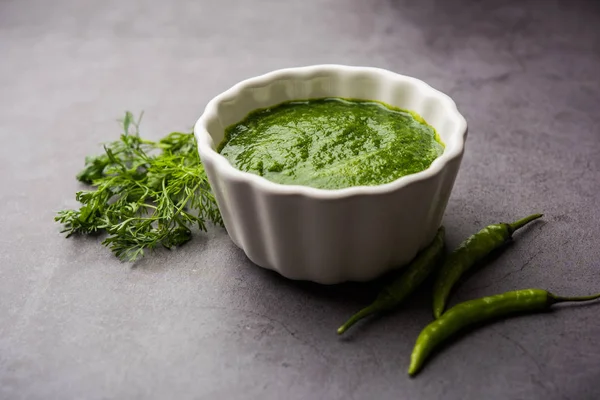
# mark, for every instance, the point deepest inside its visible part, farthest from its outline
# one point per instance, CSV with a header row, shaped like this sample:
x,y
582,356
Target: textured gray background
x,y
202,322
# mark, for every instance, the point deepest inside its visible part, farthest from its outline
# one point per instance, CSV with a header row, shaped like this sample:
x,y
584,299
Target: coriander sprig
x,y
145,193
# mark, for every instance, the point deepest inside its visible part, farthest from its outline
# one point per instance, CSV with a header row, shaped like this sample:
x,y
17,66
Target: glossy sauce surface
x,y
331,143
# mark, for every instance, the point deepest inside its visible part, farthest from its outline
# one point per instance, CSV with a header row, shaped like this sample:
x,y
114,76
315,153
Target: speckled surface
x,y
201,322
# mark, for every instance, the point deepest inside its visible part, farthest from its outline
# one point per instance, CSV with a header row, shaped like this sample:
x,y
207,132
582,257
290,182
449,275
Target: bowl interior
x,y
358,83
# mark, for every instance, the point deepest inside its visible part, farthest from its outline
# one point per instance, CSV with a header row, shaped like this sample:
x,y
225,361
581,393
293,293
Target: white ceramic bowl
x,y
331,236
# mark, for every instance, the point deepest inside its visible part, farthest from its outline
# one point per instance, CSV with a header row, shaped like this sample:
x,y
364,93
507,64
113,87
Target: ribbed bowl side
x,y
355,238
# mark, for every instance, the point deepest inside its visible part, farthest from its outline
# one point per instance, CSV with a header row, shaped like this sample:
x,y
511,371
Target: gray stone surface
x,y
202,322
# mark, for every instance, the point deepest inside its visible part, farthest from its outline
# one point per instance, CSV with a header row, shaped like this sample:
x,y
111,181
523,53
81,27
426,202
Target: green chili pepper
x,y
469,253
413,275
481,310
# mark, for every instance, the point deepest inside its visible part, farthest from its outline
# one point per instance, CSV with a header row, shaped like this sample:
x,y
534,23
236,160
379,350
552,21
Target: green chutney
x,y
331,143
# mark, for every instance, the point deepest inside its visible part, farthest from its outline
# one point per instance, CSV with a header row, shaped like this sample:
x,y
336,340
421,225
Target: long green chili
x,y
413,275
468,254
477,311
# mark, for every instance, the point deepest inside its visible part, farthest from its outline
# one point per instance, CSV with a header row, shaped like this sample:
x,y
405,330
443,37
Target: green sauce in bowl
x,y
331,143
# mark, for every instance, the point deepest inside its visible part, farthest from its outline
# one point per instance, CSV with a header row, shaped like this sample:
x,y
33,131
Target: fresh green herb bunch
x,y
145,193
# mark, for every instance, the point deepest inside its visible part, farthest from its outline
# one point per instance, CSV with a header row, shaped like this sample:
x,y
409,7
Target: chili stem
x,y
579,298
522,222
